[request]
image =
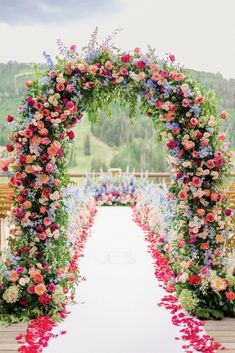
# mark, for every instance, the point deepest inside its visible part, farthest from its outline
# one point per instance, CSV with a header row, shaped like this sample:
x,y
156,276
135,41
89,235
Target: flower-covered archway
x,y
37,273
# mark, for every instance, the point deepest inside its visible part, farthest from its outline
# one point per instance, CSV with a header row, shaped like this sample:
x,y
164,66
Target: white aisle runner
x,y
117,308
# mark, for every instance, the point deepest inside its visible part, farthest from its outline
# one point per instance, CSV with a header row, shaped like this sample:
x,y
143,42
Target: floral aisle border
x,y
42,329
192,329
182,111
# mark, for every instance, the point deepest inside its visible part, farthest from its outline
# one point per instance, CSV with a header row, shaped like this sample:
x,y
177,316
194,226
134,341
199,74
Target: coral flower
x,y
199,99
210,164
40,289
204,246
60,87
38,278
188,145
230,296
210,217
13,276
27,204
201,212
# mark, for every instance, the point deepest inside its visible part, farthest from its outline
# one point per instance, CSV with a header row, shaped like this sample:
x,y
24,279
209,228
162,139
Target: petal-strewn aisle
x,y
117,310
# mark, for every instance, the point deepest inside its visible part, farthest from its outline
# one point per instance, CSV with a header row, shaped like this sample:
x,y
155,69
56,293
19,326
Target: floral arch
x,y
182,112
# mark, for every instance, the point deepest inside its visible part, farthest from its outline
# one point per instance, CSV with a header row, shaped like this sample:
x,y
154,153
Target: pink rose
x,y
193,122
52,73
196,182
183,196
222,137
123,71
224,115
69,105
47,221
172,57
179,76
200,212
73,48
69,88
137,51
199,99
185,102
210,164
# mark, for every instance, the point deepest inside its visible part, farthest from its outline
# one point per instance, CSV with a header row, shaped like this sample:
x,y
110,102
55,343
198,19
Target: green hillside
x,y
115,142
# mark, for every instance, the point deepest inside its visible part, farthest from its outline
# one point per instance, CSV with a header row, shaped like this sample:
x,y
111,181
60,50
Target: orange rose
x,y
204,246
214,196
188,145
219,239
27,204
230,296
38,278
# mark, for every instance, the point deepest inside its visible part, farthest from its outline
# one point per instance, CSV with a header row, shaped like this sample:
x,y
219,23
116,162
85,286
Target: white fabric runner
x,y
117,308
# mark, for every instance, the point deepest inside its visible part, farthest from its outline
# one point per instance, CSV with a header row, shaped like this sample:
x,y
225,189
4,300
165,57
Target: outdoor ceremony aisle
x,y
117,308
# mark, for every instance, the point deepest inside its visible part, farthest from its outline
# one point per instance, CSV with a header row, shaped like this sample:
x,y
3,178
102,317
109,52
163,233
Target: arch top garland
x,y
33,280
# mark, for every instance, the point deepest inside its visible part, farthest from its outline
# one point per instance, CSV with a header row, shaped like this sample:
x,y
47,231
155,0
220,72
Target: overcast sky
x,y
201,33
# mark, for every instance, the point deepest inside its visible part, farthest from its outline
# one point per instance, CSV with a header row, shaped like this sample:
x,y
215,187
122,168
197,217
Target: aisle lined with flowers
x,y
117,304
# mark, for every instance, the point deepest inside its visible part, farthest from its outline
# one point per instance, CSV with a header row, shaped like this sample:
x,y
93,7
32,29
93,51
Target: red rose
x,y
44,299
22,159
23,301
10,118
71,135
126,58
194,280
140,64
230,296
228,212
9,148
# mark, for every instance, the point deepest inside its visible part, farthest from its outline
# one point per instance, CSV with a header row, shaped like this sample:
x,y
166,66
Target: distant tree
x,y
87,145
98,164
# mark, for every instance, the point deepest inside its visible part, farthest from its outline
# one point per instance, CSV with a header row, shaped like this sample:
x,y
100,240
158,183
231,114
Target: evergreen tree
x,y
87,145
